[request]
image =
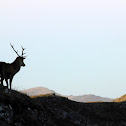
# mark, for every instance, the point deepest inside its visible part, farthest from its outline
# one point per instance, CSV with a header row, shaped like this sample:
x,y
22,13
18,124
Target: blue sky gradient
x,y
74,47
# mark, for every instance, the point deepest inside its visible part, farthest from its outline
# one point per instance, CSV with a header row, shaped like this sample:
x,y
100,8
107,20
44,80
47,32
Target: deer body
x,y
8,70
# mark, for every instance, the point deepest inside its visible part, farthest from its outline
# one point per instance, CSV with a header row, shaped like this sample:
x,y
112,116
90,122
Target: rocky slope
x,y
17,109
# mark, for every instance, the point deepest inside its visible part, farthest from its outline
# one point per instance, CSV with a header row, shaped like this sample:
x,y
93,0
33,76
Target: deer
x,y
8,70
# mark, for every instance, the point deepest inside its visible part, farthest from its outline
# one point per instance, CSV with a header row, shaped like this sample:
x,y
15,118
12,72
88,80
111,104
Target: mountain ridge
x,y
36,91
89,98
120,99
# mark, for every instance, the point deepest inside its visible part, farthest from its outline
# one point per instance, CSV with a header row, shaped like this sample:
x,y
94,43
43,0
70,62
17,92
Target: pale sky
x,y
73,47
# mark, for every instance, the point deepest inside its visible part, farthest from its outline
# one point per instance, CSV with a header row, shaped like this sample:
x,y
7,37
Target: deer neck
x,y
16,65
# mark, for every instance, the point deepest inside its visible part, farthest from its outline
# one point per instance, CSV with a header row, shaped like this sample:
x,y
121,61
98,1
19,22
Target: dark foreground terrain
x,y
17,109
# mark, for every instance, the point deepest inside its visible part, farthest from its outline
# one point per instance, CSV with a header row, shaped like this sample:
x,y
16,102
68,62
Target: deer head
x,y
21,58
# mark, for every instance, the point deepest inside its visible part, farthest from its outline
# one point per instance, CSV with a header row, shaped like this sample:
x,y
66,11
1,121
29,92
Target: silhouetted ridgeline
x,y
17,109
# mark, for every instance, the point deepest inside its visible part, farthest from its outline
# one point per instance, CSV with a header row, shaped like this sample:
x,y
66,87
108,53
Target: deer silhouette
x,y
8,70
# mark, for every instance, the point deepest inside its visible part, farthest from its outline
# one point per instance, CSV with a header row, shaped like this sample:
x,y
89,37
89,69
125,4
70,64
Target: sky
x,y
73,47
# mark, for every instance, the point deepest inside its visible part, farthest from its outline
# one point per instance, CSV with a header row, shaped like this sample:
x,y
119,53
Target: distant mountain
x,y
37,91
89,98
121,99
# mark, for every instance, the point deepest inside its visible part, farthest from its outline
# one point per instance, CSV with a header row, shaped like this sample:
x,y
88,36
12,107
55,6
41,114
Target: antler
x,y
23,52
17,51
14,50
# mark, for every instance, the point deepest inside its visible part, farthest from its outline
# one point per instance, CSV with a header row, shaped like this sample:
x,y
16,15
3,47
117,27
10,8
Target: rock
x,y
60,114
17,109
6,115
76,118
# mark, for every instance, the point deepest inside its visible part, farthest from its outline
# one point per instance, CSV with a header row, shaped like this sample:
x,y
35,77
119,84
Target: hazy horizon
x,y
73,47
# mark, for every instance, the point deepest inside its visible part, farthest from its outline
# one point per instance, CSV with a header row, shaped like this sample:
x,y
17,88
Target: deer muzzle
x,y
23,64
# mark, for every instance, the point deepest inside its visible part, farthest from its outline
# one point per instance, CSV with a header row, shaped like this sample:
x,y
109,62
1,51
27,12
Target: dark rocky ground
x,y
17,109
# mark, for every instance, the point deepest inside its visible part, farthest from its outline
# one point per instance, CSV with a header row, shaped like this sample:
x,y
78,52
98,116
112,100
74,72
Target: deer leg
x,y
2,81
11,82
7,82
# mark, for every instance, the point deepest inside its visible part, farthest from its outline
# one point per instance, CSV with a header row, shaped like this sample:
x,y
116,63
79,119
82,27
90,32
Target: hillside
x,y
121,99
38,91
89,98
17,109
